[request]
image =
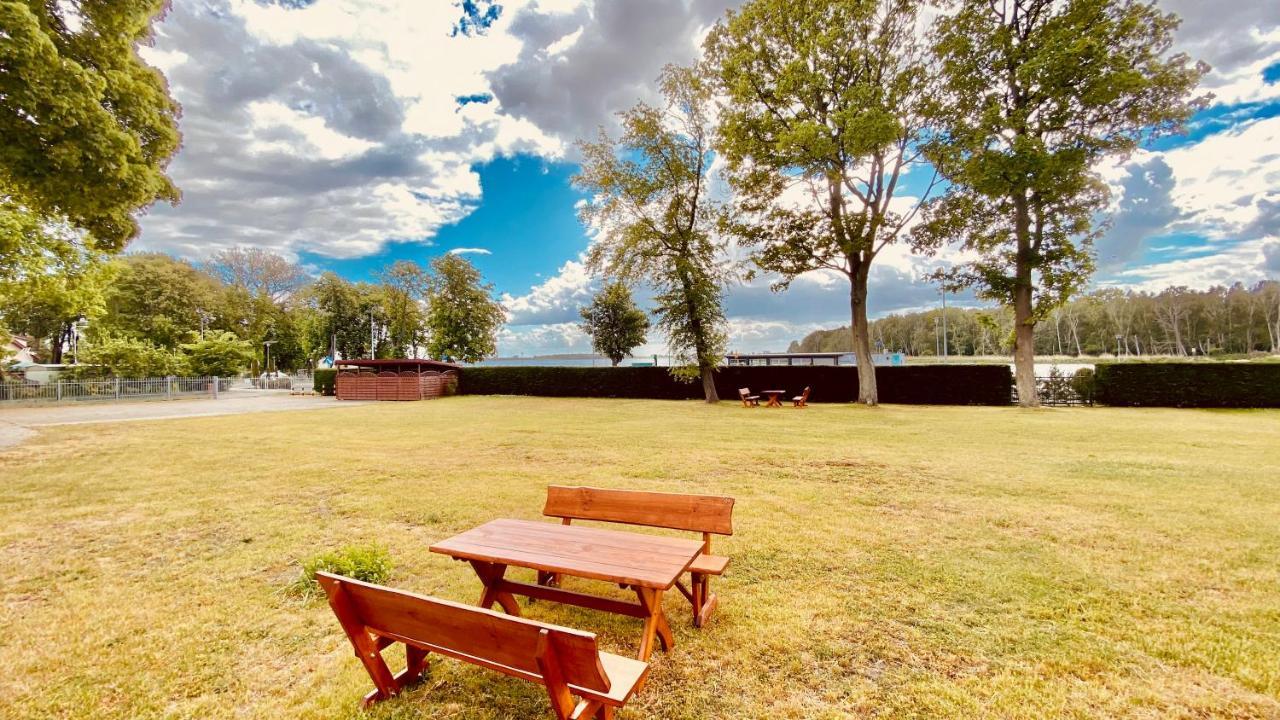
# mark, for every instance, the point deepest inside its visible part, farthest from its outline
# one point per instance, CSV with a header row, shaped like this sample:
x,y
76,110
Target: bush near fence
x,y
1203,385
917,385
324,381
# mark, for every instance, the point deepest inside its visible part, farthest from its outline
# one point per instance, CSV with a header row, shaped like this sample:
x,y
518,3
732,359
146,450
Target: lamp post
x,y
266,365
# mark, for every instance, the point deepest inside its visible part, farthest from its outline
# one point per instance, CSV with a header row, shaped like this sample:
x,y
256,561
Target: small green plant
x,y
370,563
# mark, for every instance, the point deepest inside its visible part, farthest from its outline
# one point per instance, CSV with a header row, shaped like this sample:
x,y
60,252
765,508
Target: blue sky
x,y
351,133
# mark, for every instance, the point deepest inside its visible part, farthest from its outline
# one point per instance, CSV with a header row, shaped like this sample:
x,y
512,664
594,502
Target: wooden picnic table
x,y
773,397
647,564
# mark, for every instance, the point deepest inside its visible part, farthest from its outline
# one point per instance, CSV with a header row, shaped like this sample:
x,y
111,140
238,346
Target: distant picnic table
x,y
650,565
773,397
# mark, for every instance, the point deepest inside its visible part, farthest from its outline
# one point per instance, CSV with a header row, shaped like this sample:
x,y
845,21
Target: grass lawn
x,y
895,562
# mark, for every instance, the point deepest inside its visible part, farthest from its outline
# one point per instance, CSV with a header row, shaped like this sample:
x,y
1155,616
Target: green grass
x,y
891,562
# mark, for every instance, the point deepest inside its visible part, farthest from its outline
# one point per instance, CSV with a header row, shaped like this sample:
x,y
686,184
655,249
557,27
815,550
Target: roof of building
x,y
398,364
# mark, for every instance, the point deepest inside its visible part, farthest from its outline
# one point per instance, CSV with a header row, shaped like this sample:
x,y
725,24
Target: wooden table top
x,y
650,561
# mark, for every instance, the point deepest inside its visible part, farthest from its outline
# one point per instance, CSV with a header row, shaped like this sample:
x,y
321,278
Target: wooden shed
x,y
395,379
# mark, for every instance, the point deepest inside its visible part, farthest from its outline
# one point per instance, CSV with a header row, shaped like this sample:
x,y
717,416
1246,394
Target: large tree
x,y
822,119
462,317
1033,95
51,276
158,298
259,271
88,127
651,202
404,287
613,321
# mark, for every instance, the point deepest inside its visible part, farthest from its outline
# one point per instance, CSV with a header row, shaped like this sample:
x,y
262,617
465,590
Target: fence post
x,y
168,388
117,387
59,384
216,381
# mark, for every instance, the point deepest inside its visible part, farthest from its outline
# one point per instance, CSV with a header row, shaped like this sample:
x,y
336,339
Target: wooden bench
x,y
801,400
566,661
706,514
748,400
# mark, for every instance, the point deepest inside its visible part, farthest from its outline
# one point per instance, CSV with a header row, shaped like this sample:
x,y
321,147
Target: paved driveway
x,y
16,422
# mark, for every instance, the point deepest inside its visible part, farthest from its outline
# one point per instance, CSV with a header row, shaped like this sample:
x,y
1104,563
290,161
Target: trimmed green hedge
x,y
1205,385
919,385
324,381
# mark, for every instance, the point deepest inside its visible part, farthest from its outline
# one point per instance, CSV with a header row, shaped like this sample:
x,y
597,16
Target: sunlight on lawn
x,y
898,562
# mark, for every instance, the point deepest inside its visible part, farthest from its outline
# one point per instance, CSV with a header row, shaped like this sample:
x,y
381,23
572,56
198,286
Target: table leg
x,y
655,623
491,575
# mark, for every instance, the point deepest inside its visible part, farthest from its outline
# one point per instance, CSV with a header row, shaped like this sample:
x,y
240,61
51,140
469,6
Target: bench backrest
x,y
483,637
743,392
695,513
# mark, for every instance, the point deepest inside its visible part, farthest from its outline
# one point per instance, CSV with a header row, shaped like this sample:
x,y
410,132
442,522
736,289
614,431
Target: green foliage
x,y
157,298
88,127
924,384
116,356
342,317
1189,384
51,275
405,287
218,355
613,321
1084,383
367,563
823,104
1031,96
650,197
324,381
462,317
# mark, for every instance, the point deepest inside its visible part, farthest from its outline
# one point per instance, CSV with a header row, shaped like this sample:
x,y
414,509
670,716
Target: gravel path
x,y
16,422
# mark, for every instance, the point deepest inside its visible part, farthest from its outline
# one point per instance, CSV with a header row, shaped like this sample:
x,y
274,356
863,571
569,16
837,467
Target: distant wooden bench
x,y
706,514
748,400
566,661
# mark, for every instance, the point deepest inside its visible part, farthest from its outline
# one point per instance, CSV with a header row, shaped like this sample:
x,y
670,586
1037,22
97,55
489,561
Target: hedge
x,y
324,381
1205,385
919,385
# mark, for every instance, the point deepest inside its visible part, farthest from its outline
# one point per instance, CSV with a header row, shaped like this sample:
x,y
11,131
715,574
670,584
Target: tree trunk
x,y
1024,327
867,391
709,384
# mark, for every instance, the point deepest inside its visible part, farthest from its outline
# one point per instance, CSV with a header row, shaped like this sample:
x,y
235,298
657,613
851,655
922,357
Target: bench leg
x,y
704,601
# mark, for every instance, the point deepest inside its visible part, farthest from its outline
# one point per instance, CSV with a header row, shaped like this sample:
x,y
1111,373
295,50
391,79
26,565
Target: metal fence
x,y
167,388
1060,391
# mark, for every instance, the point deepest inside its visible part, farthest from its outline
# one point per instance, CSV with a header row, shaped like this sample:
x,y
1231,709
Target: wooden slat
x,y
467,632
612,556
695,513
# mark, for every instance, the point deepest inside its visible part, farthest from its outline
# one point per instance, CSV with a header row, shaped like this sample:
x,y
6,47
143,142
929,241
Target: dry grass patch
x,y
897,562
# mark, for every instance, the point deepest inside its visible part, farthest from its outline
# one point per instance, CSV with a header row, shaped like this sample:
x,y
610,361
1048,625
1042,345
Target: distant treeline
x,y
1177,321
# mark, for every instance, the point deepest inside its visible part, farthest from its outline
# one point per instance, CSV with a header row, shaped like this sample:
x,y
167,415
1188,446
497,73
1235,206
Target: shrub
x,y
1189,384
920,385
219,355
324,381
1084,382
369,563
130,357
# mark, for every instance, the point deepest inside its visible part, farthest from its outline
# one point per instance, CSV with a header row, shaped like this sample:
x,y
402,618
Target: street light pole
x,y
266,366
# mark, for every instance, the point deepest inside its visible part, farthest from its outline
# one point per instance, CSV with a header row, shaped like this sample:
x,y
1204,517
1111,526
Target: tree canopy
x,y
1032,95
822,118
613,321
658,222
462,317
88,127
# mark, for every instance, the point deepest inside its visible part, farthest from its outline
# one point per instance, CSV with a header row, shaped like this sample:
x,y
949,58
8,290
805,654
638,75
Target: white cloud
x,y
554,300
470,251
